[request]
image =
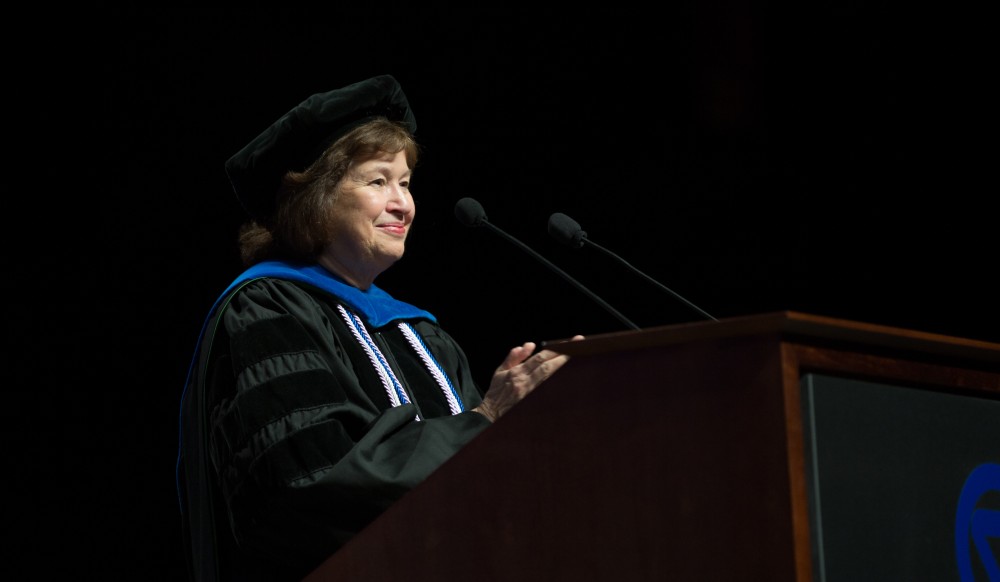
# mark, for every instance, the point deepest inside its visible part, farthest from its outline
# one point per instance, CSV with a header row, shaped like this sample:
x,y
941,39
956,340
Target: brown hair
x,y
299,228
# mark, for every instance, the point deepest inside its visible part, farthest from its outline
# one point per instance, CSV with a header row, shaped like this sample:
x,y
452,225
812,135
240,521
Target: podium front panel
x,y
887,466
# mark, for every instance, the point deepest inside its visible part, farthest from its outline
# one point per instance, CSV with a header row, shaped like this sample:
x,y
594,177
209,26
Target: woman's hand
x,y
519,374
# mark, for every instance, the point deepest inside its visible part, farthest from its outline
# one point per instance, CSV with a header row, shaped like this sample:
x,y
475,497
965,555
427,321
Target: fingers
x,y
531,370
517,355
543,364
518,375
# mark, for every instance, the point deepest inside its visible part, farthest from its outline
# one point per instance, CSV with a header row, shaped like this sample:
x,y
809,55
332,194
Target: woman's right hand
x,y
519,374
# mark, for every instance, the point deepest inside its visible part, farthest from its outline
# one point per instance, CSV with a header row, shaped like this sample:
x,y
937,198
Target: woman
x,y
316,399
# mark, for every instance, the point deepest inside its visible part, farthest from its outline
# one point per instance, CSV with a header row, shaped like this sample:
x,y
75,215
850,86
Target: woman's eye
x,y
378,182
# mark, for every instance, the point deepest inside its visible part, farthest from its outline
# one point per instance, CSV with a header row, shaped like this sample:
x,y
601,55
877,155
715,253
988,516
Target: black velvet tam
x,y
299,137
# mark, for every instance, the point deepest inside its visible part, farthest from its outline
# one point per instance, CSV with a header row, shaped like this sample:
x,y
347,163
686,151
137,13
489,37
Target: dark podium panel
x,y
774,447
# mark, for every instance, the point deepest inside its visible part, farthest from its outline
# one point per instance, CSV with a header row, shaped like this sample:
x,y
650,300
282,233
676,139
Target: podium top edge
x,y
792,325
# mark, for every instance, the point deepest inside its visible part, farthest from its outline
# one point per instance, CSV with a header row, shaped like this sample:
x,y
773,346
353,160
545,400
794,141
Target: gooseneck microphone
x,y
470,212
568,232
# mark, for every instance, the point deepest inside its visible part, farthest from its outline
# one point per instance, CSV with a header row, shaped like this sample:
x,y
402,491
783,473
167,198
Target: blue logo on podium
x,y
976,526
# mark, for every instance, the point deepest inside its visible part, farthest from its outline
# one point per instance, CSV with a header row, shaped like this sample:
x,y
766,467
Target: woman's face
x,y
371,218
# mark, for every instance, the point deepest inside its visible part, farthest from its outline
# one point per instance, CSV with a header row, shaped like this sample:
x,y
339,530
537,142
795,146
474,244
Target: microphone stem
x,y
648,278
563,274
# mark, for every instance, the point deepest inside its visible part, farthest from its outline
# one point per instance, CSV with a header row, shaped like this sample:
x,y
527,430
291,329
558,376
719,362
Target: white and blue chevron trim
x,y
393,387
450,394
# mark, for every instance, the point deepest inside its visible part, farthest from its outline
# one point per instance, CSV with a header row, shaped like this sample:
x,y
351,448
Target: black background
x,y
751,156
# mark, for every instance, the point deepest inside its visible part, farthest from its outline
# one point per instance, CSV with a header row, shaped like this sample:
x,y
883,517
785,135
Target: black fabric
x,y
306,448
297,139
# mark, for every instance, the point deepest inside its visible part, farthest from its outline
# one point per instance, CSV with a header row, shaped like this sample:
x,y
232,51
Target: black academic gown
x,y
294,436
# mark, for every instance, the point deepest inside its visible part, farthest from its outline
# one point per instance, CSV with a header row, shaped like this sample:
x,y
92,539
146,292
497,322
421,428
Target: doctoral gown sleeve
x,y
307,448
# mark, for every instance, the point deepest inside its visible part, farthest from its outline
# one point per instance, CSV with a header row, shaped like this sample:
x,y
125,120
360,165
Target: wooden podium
x,y
700,452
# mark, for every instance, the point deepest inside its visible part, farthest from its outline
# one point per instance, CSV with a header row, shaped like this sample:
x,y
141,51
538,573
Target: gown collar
x,y
374,305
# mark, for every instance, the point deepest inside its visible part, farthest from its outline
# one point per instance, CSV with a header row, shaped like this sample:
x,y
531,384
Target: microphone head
x,y
470,212
566,230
